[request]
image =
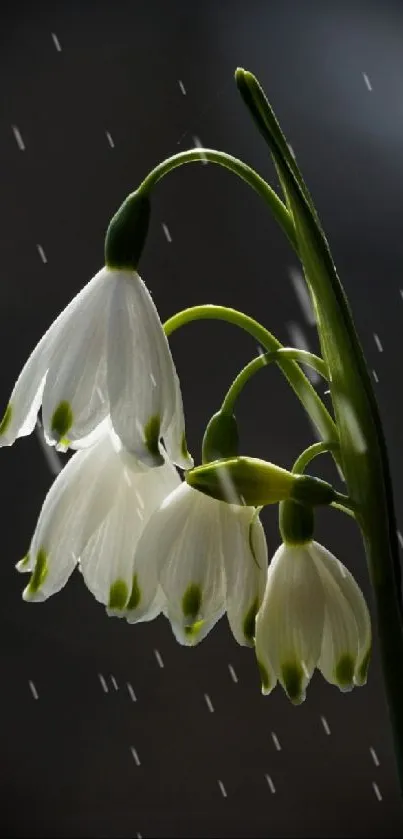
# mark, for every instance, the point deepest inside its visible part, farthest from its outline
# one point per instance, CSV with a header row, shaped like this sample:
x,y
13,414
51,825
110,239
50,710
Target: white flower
x,y
210,557
313,615
94,513
105,354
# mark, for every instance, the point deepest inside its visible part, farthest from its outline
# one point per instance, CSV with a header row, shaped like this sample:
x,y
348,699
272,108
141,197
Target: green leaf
x,y
362,443
363,448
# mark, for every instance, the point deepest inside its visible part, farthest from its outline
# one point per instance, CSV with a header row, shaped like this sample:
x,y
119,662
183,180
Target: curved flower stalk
x,y
94,515
313,615
210,558
285,357
105,355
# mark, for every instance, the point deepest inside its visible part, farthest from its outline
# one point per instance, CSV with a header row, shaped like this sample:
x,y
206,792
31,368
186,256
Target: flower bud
x,y
127,232
221,438
296,523
254,482
312,491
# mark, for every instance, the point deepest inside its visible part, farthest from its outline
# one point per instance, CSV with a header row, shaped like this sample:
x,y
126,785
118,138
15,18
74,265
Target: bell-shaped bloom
x,y
210,557
94,515
106,354
313,615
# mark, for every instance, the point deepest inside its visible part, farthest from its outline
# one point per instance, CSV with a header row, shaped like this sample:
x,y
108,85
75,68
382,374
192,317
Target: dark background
x,y
334,73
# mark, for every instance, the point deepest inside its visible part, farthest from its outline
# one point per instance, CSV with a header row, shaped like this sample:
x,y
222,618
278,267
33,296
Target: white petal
x,y
26,564
75,505
189,636
160,532
192,575
20,417
141,375
52,567
174,433
268,675
107,562
289,624
92,437
48,579
101,478
245,561
338,657
76,381
163,528
357,642
150,608
106,559
182,542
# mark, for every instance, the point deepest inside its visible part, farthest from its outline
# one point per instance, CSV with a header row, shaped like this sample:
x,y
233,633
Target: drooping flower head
x,y
313,615
106,354
94,514
211,558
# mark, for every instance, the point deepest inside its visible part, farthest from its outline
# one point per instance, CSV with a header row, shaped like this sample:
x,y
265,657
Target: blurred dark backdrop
x,y
105,728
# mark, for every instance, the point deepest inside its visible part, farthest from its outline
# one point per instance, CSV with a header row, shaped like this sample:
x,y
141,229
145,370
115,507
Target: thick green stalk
x,y
363,448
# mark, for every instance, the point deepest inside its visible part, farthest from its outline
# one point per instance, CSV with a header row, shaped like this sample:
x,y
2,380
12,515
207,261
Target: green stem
x,y
301,385
238,167
302,356
363,447
343,509
312,451
346,504
343,503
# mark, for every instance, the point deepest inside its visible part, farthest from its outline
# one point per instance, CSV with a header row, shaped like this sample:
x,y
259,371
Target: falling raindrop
x,y
270,783
325,725
159,658
42,253
378,342
299,339
33,690
198,144
374,756
51,456
103,683
135,756
209,703
110,140
367,81
167,233
18,137
131,692
377,791
222,788
302,293
56,42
